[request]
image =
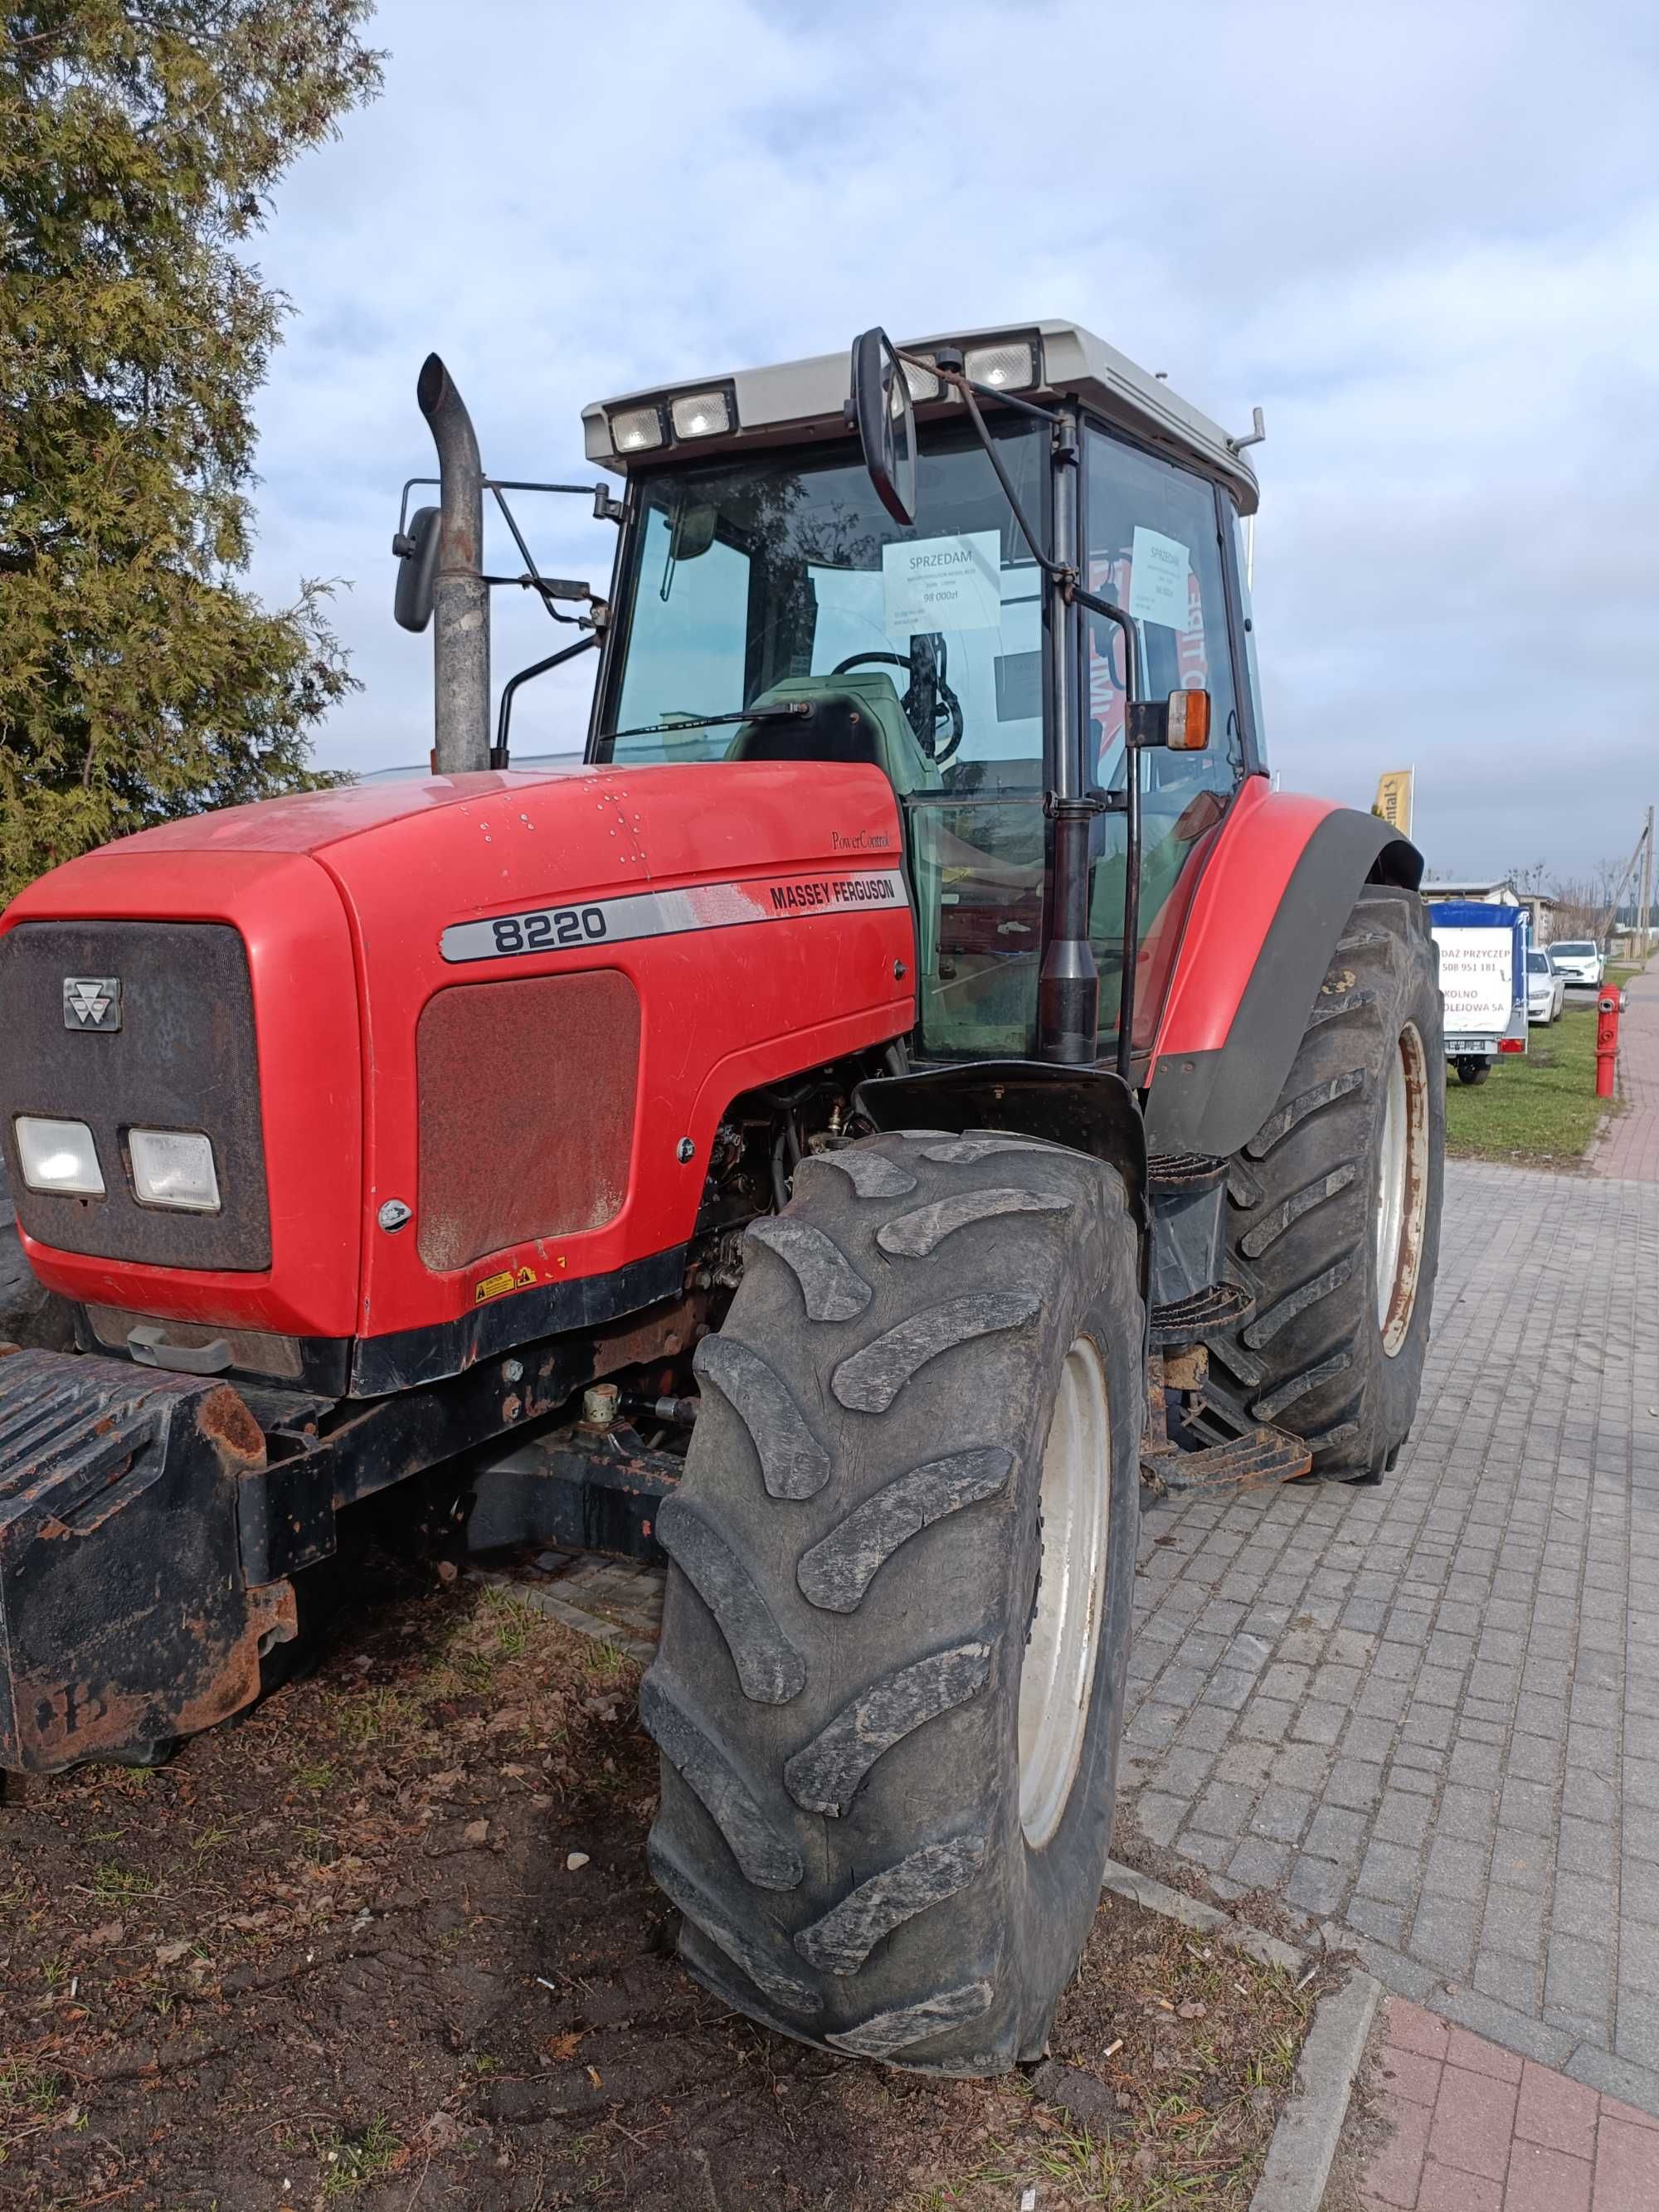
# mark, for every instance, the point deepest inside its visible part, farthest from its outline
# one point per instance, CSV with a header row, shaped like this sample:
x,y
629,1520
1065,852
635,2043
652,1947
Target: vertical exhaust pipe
x,y
460,642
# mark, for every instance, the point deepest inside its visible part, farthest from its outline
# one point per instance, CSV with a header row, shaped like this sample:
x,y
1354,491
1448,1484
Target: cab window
x,y
1153,536
780,579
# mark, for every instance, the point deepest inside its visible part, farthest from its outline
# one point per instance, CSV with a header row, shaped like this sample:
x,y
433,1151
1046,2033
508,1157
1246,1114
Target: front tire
x,y
1334,1205
892,1676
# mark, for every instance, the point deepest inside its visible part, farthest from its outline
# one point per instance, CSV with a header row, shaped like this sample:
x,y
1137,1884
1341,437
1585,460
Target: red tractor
x,y
913,1083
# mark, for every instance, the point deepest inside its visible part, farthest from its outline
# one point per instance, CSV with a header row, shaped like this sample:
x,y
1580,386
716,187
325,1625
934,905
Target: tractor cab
x,y
903,579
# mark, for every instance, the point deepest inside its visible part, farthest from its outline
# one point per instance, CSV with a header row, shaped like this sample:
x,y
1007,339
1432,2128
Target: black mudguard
x,y
1213,1102
1091,1110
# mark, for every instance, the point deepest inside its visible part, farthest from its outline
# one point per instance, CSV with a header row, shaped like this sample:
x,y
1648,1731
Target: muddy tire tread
x,y
841,1631
1300,1197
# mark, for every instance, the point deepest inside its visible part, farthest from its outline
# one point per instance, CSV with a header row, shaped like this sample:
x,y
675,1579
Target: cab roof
x,y
799,401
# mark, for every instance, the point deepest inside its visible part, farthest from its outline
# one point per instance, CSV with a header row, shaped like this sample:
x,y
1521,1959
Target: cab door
x,y
1155,547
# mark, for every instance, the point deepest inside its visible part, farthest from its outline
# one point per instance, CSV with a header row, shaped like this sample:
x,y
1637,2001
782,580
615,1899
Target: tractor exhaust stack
x,y
461,646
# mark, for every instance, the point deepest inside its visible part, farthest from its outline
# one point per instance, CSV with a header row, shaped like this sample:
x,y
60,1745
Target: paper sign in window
x,y
1158,579
943,583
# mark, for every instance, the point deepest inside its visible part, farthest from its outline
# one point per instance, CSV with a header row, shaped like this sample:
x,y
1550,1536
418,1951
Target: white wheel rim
x,y
1059,1669
1402,1188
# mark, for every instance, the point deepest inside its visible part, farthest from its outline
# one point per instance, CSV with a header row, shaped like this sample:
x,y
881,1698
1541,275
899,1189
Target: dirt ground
x,y
390,1943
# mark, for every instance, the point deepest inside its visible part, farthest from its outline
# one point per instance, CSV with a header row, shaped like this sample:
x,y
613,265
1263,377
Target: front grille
x,y
502,1064
185,1057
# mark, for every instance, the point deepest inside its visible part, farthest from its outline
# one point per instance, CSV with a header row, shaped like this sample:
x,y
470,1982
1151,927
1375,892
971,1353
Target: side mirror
x,y
886,425
417,567
1182,722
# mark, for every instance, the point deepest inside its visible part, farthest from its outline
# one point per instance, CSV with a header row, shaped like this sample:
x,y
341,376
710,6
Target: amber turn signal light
x,y
1189,721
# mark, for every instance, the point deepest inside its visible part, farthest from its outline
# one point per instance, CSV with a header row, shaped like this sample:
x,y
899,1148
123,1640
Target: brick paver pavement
x,y
1427,1713
615,1601
1475,2129
1630,1146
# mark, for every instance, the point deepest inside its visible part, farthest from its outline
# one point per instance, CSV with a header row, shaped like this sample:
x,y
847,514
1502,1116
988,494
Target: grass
x,y
373,1716
1540,1109
514,1623
29,2098
351,2162
1191,2135
113,1881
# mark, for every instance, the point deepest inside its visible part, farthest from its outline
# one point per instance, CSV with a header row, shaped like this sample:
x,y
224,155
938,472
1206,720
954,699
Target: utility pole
x,y
1609,919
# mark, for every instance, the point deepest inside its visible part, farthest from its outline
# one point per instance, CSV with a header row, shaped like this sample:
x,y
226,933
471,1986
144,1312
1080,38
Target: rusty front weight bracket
x,y
124,1619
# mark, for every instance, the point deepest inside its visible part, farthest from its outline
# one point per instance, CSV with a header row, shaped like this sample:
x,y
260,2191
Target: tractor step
x,y
1218,1306
1265,1457
1241,1457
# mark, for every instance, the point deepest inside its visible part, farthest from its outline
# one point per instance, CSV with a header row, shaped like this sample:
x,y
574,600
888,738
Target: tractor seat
x,y
858,720
840,730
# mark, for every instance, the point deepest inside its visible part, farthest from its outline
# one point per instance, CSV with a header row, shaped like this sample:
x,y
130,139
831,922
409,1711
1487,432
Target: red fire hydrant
x,y
1607,1040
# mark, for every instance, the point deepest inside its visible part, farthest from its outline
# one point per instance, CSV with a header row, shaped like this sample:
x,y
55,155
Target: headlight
x,y
174,1167
1010,366
921,382
59,1156
636,430
701,414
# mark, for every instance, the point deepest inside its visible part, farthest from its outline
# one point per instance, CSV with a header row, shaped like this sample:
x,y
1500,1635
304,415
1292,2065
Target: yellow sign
x,y
493,1286
1393,799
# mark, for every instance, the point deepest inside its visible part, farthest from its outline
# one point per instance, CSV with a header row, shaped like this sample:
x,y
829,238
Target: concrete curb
x,y
1158,1897
1309,2127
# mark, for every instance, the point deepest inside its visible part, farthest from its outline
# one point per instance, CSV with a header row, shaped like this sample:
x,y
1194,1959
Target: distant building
x,y
1538,906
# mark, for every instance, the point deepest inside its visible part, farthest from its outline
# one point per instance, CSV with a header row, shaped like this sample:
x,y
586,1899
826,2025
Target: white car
x,y
1580,963
1547,989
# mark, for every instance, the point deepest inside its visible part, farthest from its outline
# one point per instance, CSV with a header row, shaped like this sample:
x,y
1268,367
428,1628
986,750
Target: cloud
x,y
1425,239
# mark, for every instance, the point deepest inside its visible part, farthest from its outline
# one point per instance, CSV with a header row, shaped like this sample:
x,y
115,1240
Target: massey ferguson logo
x,y
92,1002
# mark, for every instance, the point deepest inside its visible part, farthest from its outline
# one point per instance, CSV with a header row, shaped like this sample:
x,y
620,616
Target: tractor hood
x,y
376,1004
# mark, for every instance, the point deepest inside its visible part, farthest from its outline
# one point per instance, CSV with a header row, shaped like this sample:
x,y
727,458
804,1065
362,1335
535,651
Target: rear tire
x,y
1334,1205
1473,1071
872,1845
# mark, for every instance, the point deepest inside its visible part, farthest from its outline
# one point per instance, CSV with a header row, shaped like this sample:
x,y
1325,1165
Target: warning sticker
x,y
493,1286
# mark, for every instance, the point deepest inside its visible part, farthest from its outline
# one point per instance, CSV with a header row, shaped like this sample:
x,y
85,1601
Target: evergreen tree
x,y
140,143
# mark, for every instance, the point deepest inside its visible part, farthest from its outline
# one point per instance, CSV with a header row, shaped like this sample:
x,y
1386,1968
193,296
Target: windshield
x,y
748,575
1574,951
1538,963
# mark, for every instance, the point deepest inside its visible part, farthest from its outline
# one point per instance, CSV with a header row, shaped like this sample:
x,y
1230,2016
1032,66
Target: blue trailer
x,y
1483,982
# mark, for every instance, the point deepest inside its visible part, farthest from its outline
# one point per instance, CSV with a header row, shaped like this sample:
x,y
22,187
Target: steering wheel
x,y
946,702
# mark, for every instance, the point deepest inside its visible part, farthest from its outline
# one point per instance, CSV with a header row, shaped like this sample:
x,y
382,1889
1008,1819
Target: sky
x,y
1424,239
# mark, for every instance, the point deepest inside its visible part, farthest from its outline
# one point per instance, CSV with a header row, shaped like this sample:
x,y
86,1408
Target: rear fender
x,y
1267,916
